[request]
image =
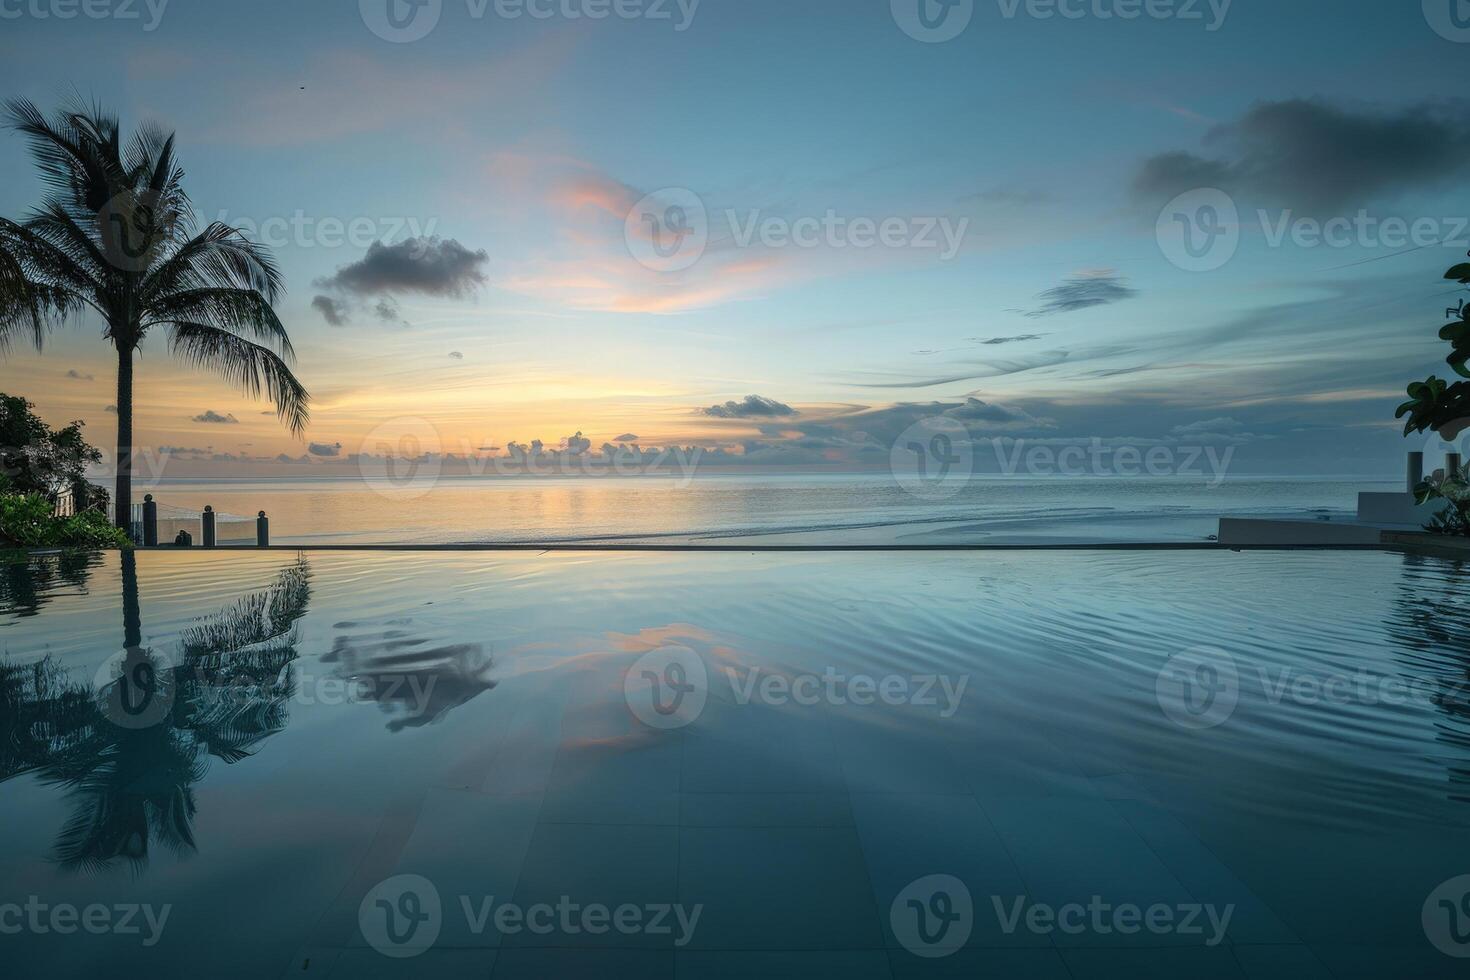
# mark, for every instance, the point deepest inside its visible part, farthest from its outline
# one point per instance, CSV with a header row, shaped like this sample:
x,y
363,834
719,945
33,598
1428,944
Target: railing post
x,y
150,522
208,522
262,531
1452,464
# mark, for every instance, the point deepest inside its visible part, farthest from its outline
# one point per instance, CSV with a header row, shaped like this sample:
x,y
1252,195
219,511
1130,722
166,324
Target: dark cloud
x,y
867,435
426,266
110,409
626,437
212,417
332,311
1026,197
577,445
1083,292
387,310
975,410
456,355
321,449
753,407
1319,158
76,375
997,341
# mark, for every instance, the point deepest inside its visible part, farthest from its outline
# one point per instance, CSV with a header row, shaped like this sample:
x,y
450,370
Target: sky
x,y
789,229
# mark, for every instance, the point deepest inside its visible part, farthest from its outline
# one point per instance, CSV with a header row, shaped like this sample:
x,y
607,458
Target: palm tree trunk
x,y
123,492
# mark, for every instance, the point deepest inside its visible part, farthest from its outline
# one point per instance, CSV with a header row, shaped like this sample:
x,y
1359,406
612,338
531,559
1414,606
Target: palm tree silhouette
x,y
228,690
115,234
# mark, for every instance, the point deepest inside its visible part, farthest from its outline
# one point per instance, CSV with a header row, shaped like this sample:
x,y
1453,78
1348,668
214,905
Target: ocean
x,y
738,508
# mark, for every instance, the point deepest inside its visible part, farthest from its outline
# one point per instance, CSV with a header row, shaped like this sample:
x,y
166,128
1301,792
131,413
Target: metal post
x,y
1452,465
150,522
208,521
262,531
1416,471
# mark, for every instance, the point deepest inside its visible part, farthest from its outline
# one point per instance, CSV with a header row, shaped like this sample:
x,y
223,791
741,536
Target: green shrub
x,y
27,521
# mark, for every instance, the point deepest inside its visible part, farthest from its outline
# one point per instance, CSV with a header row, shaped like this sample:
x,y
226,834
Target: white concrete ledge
x,y
1397,508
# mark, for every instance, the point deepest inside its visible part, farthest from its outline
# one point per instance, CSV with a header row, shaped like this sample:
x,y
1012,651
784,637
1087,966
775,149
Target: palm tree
x,y
115,234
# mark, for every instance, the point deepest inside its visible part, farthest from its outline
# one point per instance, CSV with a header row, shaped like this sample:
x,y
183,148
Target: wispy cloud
x,y
1083,292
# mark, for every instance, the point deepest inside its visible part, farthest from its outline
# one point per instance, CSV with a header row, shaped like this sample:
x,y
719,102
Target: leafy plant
x,y
1436,405
1452,487
35,458
28,520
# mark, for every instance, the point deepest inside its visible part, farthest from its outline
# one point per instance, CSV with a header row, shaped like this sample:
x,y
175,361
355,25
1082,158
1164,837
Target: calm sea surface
x,y
326,764
771,509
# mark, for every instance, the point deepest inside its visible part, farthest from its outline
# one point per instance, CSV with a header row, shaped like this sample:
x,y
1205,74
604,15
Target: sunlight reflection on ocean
x,y
769,509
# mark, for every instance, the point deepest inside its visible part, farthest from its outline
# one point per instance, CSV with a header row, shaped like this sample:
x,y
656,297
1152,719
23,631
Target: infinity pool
x,y
720,765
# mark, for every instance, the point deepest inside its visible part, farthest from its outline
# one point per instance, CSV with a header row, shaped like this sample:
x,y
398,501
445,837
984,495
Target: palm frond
x,y
240,311
249,365
219,256
37,286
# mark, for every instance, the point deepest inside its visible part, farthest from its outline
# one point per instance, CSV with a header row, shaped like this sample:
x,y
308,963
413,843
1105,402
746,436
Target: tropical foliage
x,y
1436,405
38,465
1454,488
39,459
28,520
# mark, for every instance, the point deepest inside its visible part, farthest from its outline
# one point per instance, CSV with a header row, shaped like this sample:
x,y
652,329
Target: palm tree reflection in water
x,y
1431,623
130,775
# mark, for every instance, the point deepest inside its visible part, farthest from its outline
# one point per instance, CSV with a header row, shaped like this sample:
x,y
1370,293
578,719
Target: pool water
x,y
724,765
